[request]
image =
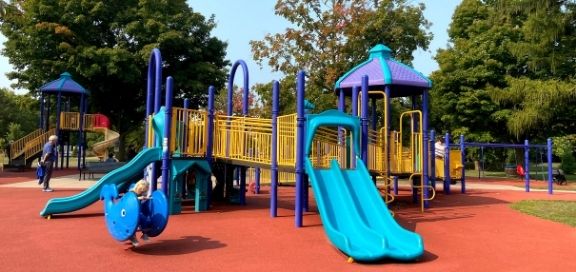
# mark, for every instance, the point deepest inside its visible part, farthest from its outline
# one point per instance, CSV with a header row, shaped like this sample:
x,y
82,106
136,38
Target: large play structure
x,y
57,118
341,154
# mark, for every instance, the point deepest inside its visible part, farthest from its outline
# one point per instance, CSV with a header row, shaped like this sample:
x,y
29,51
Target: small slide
x,y
119,177
355,217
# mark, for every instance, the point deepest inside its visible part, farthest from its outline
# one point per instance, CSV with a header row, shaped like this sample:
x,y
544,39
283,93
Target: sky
x,y
239,22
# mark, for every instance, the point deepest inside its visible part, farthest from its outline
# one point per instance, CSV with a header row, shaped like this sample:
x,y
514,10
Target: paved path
x,y
64,182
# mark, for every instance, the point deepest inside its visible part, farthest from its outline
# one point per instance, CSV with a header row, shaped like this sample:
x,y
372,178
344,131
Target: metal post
x,y
354,113
154,90
58,109
424,154
527,165
549,159
80,133
274,162
364,121
210,136
387,123
300,121
463,156
166,140
432,159
395,185
447,179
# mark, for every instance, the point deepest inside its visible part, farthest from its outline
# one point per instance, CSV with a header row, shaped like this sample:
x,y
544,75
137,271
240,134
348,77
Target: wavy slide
x,y
111,137
355,217
118,176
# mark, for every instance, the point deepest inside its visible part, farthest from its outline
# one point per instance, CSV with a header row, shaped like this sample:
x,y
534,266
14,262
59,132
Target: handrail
x,y
416,141
35,145
18,147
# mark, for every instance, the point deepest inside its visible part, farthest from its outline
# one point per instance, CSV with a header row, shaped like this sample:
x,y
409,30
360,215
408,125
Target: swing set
x,y
522,170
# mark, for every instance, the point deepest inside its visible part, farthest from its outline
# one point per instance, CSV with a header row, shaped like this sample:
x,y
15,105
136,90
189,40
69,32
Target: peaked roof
x,y
65,84
382,70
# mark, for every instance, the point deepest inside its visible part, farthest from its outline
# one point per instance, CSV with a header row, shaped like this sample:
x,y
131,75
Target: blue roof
x,y
65,84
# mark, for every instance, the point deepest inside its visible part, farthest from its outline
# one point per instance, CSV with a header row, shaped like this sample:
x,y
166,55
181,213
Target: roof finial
x,y
380,50
66,75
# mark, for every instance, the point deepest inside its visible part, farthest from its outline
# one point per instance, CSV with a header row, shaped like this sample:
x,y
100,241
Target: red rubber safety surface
x,y
473,232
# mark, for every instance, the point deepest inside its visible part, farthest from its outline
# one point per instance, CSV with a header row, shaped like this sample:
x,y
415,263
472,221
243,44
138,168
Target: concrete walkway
x,y
64,182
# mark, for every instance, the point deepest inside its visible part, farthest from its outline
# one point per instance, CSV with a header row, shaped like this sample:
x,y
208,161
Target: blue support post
x,y
354,113
274,162
257,179
432,159
549,159
395,178
154,91
447,180
364,121
210,136
463,156
242,174
80,131
41,121
300,121
527,165
58,132
425,154
166,141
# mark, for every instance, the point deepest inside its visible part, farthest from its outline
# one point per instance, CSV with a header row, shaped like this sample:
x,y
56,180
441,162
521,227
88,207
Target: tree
x,y
18,114
329,37
496,79
106,46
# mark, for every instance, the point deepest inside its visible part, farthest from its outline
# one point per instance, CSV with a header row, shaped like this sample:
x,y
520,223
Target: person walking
x,y
48,158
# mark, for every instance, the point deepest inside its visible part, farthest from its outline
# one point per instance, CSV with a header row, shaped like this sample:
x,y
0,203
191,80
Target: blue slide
x,y
353,213
119,177
355,217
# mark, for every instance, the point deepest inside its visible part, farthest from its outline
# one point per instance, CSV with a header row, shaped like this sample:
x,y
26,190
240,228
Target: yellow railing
x,y
376,152
326,147
410,159
35,145
243,138
189,132
19,146
71,121
286,142
266,176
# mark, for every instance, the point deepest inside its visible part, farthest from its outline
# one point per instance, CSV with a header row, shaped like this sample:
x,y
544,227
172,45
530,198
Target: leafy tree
x,y
331,36
18,114
106,46
499,76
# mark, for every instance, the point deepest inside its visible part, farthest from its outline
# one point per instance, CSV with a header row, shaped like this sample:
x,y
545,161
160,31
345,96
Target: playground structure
x,y
189,141
26,149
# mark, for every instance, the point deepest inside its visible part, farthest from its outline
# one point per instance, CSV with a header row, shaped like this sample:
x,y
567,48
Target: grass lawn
x,y
557,211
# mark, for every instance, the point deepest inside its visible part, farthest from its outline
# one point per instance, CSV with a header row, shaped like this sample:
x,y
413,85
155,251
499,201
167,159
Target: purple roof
x,y
64,84
383,70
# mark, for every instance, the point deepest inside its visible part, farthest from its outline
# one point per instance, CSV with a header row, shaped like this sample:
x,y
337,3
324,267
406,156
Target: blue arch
x,y
231,87
154,87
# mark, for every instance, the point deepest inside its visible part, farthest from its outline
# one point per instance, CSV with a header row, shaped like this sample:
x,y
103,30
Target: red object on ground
x,y
101,121
473,232
520,171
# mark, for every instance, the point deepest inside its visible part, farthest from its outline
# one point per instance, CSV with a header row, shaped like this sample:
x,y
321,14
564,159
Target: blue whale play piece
x,y
122,215
154,214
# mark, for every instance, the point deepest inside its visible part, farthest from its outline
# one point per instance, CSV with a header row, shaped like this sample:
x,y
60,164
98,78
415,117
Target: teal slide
x,y
119,177
353,213
355,217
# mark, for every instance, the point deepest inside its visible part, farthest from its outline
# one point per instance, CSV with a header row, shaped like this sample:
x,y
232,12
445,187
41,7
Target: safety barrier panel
x,y
189,132
35,145
19,146
243,138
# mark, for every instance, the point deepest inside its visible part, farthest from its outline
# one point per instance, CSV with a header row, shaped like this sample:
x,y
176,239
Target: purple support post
x,y
447,164
432,174
549,159
166,140
242,174
182,139
210,136
154,90
395,178
58,131
527,165
342,108
80,131
41,121
387,123
364,120
257,179
463,156
425,154
354,113
300,121
274,163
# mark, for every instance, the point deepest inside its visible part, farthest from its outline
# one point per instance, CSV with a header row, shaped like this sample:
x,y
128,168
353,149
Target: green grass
x,y
558,211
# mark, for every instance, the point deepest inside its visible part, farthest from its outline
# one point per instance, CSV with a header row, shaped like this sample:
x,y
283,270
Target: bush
x,y
568,163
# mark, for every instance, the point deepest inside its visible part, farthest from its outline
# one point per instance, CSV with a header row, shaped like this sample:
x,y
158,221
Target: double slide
x,y
354,216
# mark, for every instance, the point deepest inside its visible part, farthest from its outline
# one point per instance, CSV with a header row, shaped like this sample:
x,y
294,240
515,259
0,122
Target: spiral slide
x,y
111,137
118,177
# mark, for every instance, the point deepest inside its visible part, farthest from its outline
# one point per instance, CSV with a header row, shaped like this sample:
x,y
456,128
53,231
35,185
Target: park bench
x,y
92,168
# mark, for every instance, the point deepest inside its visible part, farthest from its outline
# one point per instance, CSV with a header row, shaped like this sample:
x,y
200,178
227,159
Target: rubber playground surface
x,y
473,232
